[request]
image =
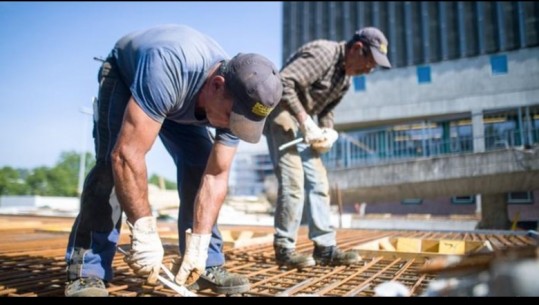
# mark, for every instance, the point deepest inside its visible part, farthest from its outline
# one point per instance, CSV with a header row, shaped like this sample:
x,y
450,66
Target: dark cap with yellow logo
x,y
256,85
377,42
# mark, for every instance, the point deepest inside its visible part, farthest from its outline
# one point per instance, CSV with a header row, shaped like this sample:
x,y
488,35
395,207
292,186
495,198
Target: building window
x,y
412,201
498,64
360,83
423,75
520,198
502,129
463,200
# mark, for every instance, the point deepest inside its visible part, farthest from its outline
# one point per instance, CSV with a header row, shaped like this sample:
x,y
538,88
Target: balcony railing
x,y
357,149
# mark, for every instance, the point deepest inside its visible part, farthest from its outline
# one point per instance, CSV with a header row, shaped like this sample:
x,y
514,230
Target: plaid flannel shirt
x,y
314,80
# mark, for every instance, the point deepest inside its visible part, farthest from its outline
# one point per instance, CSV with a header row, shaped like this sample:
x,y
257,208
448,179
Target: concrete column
x,y
494,214
500,24
293,8
392,32
444,51
375,14
408,32
425,34
306,12
461,28
319,12
521,25
333,21
478,132
480,24
360,13
478,204
347,21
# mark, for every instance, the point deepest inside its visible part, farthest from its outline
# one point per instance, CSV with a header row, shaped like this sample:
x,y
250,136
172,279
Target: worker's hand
x,y
330,136
146,254
194,259
311,132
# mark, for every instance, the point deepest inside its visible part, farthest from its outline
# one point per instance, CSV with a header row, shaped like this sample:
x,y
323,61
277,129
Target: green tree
x,y
60,180
169,185
12,182
69,166
45,181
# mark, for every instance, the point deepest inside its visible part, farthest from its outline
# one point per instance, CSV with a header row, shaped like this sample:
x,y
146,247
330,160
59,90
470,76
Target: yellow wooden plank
x,y
371,245
245,235
386,245
452,247
405,244
226,235
430,245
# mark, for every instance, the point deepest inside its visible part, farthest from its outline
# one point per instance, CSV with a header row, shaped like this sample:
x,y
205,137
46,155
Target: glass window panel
x,y
463,200
498,64
360,83
520,198
412,201
423,75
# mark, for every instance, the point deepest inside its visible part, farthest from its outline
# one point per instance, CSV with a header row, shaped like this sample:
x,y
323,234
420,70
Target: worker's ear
x,y
357,48
218,83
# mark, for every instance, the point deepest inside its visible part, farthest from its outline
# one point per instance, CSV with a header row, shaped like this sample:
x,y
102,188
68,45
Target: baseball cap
x,y
256,85
377,42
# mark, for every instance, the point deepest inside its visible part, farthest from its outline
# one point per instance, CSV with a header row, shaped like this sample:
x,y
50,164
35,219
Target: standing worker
x,y
315,79
173,82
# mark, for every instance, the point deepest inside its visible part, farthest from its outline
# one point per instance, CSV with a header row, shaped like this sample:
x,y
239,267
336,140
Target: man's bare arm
x,y
213,188
137,135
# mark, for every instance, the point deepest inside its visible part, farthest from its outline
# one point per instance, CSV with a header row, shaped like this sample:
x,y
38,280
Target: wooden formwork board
x,y
421,249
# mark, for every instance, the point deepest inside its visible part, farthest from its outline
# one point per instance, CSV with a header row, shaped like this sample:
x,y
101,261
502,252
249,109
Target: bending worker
x,y
315,78
173,82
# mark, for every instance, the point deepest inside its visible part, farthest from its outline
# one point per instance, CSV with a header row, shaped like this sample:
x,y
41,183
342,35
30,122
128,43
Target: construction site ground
x,y
32,264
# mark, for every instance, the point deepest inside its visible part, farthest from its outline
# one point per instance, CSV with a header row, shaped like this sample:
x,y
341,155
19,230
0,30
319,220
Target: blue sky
x,y
47,71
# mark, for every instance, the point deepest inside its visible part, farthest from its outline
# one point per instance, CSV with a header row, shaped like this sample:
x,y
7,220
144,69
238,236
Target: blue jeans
x,y
302,178
96,230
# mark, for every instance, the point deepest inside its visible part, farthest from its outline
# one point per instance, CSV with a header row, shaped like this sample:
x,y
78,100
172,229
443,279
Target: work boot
x,y
289,258
86,287
333,256
220,281
217,278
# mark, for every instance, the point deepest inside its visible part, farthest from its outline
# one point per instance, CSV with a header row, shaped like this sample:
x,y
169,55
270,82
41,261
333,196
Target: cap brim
x,y
380,58
246,129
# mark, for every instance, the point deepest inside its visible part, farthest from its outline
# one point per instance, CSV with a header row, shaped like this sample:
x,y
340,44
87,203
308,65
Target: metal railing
x,y
356,149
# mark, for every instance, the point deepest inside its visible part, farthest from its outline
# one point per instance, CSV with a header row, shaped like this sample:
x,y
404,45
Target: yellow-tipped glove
x,y
146,254
330,136
194,259
311,132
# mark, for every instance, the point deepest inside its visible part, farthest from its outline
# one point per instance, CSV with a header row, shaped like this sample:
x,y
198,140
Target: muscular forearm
x,y
208,203
131,184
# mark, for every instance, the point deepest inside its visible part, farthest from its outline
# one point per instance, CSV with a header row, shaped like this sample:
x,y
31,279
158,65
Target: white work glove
x,y
194,259
311,132
330,136
146,254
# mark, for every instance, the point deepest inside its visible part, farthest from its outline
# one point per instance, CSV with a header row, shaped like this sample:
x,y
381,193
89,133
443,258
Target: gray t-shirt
x,y
165,67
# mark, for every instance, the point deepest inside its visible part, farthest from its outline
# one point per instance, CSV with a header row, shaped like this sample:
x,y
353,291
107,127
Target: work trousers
x,y
302,183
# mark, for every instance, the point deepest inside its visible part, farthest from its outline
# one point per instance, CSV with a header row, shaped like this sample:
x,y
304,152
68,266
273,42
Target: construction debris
x,y
507,272
391,289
